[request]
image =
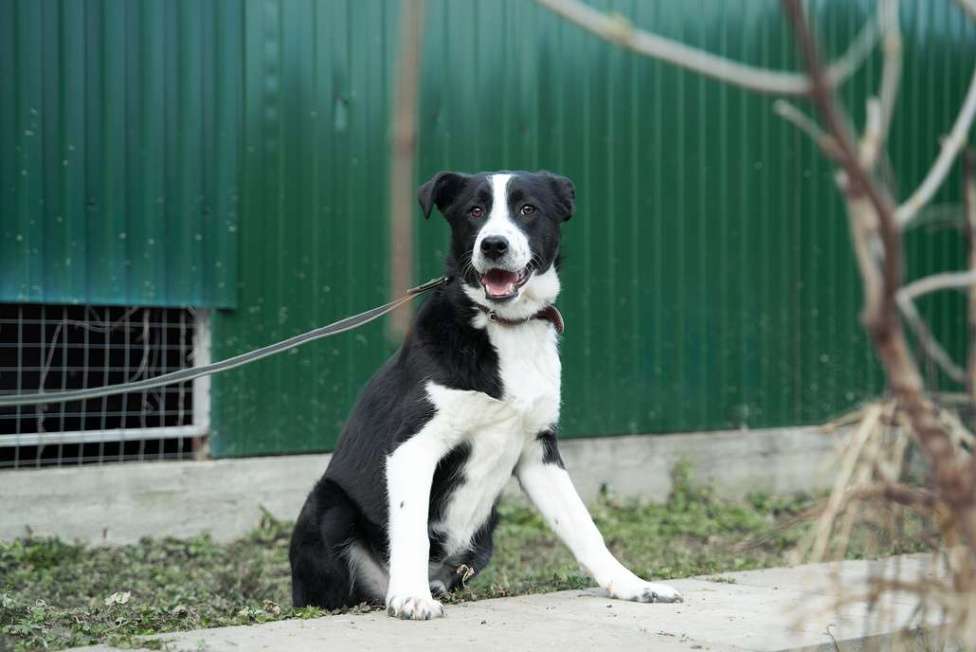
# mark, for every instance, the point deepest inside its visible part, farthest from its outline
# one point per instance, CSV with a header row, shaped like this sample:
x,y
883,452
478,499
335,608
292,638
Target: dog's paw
x,y
646,592
407,607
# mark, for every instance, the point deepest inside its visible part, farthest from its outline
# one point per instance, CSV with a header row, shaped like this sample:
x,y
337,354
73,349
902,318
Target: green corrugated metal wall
x,y
119,128
708,280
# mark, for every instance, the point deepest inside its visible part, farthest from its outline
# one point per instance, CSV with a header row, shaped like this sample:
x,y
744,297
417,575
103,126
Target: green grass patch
x,y
55,594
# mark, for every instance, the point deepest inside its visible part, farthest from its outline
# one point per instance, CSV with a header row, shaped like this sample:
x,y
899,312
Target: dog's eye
x,y
528,209
477,211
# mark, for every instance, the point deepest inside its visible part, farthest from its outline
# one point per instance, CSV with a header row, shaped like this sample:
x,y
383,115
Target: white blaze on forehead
x,y
499,196
500,223
499,219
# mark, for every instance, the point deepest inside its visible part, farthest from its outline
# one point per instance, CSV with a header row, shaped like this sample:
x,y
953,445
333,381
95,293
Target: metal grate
x,y
57,347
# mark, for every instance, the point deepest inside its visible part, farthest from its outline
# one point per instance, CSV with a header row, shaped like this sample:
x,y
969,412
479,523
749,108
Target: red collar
x,y
550,314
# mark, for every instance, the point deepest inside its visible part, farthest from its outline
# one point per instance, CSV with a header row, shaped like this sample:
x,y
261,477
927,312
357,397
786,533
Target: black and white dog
x,y
406,509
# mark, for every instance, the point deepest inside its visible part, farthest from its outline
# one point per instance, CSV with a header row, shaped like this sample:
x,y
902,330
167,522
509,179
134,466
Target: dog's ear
x,y
440,191
565,194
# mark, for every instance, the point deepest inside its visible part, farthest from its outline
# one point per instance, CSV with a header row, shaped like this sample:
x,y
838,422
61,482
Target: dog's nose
x,y
494,247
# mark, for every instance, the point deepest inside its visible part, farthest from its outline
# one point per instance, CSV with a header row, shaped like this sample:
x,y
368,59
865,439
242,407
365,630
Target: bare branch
x,y
807,125
871,140
927,341
846,469
869,206
960,435
896,492
953,482
951,146
969,6
881,110
617,29
969,202
864,225
891,72
936,282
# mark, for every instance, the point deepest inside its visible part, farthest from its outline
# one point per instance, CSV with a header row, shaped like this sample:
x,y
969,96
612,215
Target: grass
x,y
55,594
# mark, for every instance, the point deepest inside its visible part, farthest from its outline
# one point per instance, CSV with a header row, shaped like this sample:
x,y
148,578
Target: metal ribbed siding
x,y
708,280
119,136
313,219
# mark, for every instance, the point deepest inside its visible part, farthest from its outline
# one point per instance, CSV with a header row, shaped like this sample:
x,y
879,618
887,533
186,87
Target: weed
x,y
55,594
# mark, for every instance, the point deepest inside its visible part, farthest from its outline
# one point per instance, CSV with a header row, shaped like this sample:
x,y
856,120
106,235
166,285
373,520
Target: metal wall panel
x,y
313,219
119,137
708,279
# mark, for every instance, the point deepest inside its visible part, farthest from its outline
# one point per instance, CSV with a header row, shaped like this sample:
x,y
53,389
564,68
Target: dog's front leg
x,y
409,474
542,476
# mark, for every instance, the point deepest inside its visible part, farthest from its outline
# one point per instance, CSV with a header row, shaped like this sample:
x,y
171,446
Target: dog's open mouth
x,y
502,284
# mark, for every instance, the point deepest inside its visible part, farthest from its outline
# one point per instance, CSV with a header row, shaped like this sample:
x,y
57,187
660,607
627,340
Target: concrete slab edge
x,y
117,504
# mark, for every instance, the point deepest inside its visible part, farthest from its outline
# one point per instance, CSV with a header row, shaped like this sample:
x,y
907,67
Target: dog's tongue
x,y
499,282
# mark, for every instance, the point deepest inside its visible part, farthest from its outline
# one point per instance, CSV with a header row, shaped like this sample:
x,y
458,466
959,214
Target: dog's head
x,y
504,234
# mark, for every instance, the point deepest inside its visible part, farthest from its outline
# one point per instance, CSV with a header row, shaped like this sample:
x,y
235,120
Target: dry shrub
x,y
883,490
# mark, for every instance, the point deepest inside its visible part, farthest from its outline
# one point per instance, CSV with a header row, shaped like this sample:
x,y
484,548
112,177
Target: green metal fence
x,y
708,277
119,123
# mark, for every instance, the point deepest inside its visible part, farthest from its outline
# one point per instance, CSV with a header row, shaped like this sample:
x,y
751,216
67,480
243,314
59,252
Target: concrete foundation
x,y
118,504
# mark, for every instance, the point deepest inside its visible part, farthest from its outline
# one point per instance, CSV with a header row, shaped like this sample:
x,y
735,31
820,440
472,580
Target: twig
x,y
943,163
807,125
882,109
401,166
871,140
896,492
864,226
927,341
859,184
833,639
619,30
969,202
891,72
969,6
933,588
957,431
847,465
906,303
843,421
936,282
952,398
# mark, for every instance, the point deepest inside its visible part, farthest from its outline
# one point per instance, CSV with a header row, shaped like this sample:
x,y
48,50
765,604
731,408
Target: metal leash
x,y
184,375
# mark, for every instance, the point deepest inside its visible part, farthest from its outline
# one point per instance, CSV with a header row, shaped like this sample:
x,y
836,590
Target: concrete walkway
x,y
777,609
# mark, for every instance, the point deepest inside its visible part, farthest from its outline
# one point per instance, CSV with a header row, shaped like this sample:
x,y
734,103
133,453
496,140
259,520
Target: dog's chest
x,y
497,430
529,369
